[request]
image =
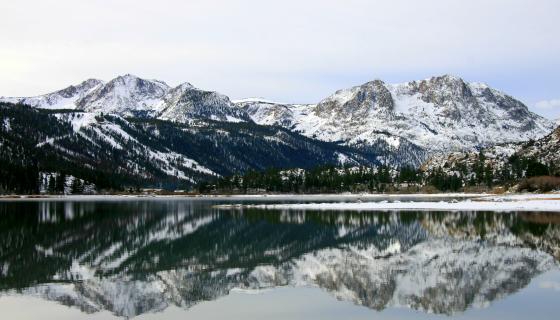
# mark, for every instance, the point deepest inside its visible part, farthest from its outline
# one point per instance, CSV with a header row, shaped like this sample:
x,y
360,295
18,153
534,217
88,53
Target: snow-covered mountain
x,y
402,123
131,96
154,153
63,99
125,95
186,102
439,114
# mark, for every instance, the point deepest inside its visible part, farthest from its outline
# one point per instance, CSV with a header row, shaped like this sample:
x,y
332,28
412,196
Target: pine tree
x,y
77,186
60,182
488,176
52,184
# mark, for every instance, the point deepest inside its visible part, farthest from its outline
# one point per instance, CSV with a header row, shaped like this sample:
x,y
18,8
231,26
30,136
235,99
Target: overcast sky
x,y
290,51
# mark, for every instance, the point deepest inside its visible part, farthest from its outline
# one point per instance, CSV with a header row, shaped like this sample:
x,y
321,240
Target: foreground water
x,y
176,259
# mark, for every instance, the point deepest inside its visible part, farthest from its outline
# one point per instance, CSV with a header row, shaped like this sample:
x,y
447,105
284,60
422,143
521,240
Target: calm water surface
x,y
177,259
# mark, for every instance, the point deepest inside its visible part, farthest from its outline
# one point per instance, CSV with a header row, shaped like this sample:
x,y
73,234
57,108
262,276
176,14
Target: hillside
x,y
112,151
501,164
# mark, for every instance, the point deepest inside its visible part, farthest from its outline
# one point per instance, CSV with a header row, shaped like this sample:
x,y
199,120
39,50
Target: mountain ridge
x,y
111,151
439,114
404,123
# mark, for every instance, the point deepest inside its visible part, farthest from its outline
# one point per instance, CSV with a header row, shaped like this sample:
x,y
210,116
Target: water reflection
x,y
142,256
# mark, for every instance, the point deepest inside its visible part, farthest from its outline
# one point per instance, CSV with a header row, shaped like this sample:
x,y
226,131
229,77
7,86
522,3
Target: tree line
x,y
382,178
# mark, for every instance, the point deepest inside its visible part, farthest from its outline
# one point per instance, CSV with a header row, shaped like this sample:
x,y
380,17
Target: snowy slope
x,y
112,132
157,153
187,102
545,150
439,114
131,96
125,95
62,99
270,113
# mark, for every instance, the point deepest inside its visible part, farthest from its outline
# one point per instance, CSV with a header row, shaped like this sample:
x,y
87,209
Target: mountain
x,y
186,102
112,151
131,96
399,125
440,114
125,95
63,99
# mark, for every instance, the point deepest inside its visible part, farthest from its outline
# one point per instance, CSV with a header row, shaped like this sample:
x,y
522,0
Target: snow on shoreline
x,y
523,202
353,202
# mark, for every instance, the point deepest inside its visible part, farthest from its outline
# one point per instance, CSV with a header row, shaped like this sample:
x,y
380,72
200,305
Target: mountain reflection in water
x,y
133,257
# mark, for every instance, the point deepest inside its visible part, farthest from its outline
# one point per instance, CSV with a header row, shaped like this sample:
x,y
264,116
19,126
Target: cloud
x,y
290,50
548,104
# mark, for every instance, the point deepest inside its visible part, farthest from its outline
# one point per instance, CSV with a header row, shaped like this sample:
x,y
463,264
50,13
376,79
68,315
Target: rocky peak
x,y
126,95
174,94
357,102
439,114
448,92
83,87
267,112
133,84
187,102
185,86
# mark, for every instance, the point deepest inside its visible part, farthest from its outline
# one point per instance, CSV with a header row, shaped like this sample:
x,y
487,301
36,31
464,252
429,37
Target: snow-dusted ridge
x,y
439,114
88,125
256,99
132,96
66,98
404,123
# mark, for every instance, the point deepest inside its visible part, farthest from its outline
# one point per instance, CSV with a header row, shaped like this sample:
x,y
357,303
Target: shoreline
x,y
238,196
543,202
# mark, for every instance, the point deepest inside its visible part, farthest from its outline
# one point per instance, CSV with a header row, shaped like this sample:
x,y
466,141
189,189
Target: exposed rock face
x,y
186,102
268,113
367,100
126,96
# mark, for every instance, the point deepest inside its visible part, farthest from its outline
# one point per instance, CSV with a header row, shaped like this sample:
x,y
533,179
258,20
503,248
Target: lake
x,y
173,258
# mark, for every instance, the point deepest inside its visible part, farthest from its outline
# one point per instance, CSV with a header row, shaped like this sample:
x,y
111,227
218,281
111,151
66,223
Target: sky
x,y
288,51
